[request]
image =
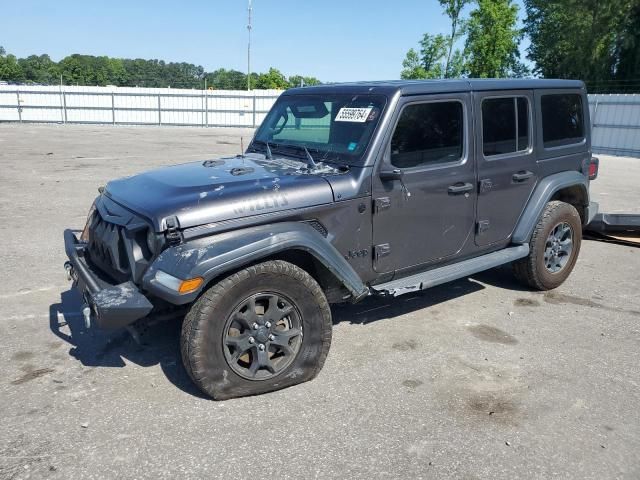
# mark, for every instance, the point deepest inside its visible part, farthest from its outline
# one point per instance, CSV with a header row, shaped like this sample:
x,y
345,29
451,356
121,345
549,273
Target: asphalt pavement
x,y
478,379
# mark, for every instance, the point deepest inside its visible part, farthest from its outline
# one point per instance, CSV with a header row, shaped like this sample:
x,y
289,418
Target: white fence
x,y
135,106
615,119
615,124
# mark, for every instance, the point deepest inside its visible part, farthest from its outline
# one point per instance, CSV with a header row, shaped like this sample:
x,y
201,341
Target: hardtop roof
x,y
418,87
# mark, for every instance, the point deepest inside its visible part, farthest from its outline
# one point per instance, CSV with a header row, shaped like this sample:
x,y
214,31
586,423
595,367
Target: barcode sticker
x,y
357,115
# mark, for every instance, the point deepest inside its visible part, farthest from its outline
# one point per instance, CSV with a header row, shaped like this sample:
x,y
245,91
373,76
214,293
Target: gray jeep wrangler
x,y
345,191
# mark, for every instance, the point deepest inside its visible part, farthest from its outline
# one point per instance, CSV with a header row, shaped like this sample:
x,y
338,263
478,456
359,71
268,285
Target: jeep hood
x,y
212,191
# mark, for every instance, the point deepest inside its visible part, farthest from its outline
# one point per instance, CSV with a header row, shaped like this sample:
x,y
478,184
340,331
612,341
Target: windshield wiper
x,y
268,154
309,160
311,163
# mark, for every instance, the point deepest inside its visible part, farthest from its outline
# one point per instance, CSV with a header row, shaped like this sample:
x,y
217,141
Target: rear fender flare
x,y
213,256
542,194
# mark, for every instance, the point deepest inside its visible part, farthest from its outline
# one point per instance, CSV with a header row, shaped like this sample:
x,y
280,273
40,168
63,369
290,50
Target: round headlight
x,y
151,240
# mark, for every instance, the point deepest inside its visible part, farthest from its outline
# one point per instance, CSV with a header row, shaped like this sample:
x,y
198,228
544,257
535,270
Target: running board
x,y
438,276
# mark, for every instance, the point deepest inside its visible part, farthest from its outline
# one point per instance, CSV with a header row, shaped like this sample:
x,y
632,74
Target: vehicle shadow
x,y
374,309
95,348
501,277
160,342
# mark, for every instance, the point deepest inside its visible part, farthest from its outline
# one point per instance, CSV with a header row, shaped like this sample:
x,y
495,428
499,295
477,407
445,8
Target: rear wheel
x,y
555,245
261,329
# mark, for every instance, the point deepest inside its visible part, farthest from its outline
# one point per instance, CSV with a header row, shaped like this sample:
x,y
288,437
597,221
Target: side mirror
x,y
389,175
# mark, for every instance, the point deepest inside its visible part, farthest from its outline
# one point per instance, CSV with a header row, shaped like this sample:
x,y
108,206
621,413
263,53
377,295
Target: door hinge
x,y
483,226
381,204
382,251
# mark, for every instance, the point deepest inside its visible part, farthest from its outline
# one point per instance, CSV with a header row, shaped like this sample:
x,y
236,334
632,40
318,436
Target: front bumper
x,y
112,306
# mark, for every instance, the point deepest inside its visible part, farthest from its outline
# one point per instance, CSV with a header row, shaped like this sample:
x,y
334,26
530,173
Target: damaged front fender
x,y
213,256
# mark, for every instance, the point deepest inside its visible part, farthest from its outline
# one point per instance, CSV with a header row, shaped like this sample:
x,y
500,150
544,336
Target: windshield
x,y
335,128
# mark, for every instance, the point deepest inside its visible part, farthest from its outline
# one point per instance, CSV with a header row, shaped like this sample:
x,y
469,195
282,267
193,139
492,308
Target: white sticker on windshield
x,y
358,115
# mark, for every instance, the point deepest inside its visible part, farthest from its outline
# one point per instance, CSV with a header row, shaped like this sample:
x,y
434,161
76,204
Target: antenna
x,y
310,161
249,27
242,147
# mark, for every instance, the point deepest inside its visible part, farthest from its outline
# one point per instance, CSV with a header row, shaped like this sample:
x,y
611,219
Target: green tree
x,y
437,57
298,80
222,79
75,69
493,40
273,79
455,60
433,50
457,64
581,39
412,68
628,51
430,62
91,70
145,73
9,67
39,69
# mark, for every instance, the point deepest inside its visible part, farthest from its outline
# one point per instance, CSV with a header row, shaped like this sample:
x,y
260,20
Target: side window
x,y
428,134
505,125
562,120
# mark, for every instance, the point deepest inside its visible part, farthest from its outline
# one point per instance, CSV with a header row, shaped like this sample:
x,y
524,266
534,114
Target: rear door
x,y
507,169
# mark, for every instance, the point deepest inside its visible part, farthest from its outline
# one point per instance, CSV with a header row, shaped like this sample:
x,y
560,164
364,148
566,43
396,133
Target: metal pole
x,y
19,107
254,110
64,105
249,27
61,102
113,108
159,112
206,105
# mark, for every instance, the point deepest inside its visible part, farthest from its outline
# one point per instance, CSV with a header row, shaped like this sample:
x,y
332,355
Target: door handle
x,y
522,176
459,188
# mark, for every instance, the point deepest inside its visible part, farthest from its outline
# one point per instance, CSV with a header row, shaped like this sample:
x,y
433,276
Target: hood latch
x,y
173,235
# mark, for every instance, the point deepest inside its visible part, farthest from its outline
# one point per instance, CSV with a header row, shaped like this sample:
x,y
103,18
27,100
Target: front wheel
x,y
264,328
555,245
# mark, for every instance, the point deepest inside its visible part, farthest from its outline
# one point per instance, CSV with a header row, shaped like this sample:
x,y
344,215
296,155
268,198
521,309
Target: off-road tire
x,y
203,330
531,270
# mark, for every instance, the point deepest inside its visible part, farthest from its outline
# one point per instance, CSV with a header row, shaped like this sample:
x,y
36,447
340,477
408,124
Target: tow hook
x,y
86,313
69,269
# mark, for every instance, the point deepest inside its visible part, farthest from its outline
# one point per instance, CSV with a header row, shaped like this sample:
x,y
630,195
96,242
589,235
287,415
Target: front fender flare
x,y
542,194
213,256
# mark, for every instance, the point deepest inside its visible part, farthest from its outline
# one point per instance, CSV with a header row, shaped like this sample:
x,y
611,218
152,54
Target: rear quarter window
x,y
562,120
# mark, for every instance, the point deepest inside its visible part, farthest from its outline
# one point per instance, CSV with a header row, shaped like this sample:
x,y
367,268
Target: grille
x,y
107,248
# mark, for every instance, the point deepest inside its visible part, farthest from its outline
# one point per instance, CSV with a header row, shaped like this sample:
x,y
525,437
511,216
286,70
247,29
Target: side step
x,y
614,223
438,276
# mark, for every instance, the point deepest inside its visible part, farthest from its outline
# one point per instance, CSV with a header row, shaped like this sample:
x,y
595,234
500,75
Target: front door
x,y
428,214
507,170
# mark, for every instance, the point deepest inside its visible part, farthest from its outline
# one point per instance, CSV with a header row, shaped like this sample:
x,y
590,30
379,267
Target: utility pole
x,y
249,47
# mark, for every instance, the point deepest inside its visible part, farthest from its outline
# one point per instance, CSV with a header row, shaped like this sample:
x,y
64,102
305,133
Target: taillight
x,y
594,165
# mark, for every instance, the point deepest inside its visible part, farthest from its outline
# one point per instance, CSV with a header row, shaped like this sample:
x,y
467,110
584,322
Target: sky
x,y
333,40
